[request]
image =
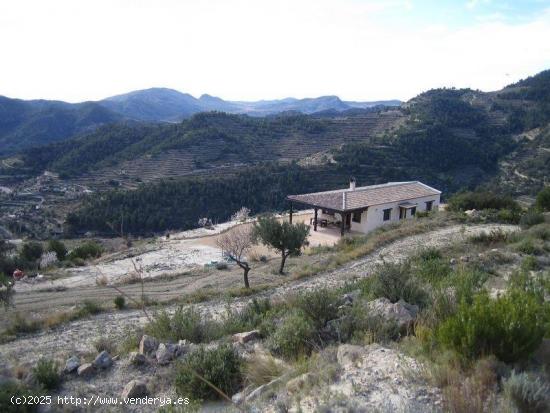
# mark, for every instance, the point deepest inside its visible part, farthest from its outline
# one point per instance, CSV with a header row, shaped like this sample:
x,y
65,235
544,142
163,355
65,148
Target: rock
x,y
183,347
86,370
137,359
72,364
246,337
103,360
471,212
401,312
452,261
464,258
350,297
148,344
297,384
134,389
166,353
238,398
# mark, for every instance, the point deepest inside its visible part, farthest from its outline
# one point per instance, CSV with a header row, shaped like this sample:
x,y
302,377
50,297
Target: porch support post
x,y
315,221
290,219
343,225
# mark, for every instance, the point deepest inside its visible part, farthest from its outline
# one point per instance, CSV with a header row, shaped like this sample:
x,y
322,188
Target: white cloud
x,y
251,49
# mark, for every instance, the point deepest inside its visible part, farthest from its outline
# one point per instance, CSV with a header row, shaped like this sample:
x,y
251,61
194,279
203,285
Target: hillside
x,y
26,124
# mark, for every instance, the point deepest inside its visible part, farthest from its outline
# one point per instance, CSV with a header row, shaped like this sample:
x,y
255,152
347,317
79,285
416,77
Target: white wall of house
x,y
374,216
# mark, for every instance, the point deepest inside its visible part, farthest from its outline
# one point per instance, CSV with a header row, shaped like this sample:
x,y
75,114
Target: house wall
x,y
374,216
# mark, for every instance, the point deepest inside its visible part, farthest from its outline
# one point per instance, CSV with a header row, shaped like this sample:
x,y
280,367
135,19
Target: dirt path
x,y
79,335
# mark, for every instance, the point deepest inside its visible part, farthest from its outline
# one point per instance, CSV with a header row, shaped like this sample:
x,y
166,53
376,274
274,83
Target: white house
x,y
365,208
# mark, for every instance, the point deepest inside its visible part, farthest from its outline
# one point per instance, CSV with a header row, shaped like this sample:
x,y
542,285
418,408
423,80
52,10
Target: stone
x,y
148,344
72,364
134,389
350,297
401,312
137,359
452,261
103,360
166,353
465,258
86,370
246,337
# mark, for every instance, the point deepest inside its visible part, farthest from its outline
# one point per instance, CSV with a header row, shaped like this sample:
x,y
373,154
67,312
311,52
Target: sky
x,y
76,50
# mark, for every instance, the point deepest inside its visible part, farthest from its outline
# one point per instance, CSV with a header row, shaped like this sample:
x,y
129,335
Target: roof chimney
x,y
352,184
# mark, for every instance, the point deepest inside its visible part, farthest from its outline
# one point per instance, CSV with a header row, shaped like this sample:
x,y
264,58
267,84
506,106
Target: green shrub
x,y
320,305
120,302
88,249
184,324
294,337
508,216
481,200
105,344
511,327
59,248
395,281
46,373
529,393
543,199
9,389
430,266
31,251
87,308
527,246
530,218
359,326
250,317
220,366
529,263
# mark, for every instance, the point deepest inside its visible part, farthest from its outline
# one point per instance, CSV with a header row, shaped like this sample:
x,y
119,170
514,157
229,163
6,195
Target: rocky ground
x,y
376,373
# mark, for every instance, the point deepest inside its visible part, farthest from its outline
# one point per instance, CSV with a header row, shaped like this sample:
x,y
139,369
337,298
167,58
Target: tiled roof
x,y
365,196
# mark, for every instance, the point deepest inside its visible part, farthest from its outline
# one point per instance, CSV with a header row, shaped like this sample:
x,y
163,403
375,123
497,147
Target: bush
x,y
543,199
31,251
220,366
59,248
294,337
250,317
88,307
46,373
184,324
120,302
530,218
530,394
88,249
431,267
529,263
320,305
511,327
360,326
526,246
105,344
396,282
488,238
9,389
481,200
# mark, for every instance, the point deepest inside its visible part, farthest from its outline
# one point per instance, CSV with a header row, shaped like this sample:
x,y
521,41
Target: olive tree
x,y
235,245
284,237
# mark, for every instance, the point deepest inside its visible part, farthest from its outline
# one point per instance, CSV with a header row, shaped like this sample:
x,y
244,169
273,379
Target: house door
x,y
348,220
402,213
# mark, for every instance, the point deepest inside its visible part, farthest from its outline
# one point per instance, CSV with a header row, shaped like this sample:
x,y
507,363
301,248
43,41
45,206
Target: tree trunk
x,y
245,275
283,259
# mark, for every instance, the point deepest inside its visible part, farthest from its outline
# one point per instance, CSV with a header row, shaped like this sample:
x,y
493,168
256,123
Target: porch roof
x,y
343,200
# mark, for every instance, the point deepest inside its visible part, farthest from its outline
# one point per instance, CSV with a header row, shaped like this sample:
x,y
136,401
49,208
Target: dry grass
x,y
262,369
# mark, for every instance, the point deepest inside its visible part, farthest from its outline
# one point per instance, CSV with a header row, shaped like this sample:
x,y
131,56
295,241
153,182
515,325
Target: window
x,y
325,212
429,205
356,217
413,211
387,214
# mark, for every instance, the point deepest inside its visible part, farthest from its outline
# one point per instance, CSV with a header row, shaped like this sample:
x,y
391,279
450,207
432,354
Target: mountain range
x,y
28,123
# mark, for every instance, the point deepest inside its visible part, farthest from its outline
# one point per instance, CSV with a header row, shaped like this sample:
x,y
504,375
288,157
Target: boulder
x,y
71,364
166,353
401,312
134,389
243,338
137,359
148,344
103,360
350,297
86,370
465,258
